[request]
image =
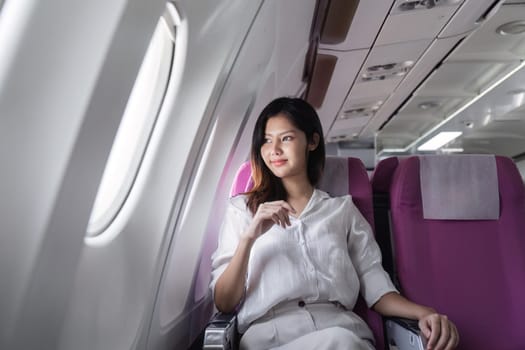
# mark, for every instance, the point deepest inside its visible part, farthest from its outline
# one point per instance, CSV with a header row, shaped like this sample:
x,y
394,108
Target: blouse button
x,y
301,303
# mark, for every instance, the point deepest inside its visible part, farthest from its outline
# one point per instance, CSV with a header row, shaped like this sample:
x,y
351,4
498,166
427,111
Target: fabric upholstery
x,y
459,187
471,270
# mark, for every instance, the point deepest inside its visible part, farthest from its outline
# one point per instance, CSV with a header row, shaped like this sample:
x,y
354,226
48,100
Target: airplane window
x,y
136,125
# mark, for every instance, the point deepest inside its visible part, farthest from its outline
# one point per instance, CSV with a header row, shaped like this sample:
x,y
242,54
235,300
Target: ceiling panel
x,y
486,44
469,16
465,79
346,68
433,106
417,24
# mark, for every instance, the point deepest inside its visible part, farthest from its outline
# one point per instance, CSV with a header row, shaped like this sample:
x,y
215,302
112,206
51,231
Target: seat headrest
x,y
382,177
335,177
459,187
242,182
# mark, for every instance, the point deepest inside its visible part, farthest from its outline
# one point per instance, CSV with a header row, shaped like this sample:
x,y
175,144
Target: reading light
x,y
452,150
511,28
428,105
439,140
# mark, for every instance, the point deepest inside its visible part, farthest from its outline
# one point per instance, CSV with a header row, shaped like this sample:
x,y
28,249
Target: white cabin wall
x,y
119,271
58,93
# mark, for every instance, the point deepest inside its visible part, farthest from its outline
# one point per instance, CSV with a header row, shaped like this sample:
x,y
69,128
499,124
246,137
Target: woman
x,y
293,260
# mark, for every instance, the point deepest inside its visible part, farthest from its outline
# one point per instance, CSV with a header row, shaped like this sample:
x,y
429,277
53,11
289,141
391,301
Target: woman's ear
x,y
314,142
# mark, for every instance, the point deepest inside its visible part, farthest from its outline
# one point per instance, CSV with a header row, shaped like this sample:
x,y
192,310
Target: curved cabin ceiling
x,y
401,71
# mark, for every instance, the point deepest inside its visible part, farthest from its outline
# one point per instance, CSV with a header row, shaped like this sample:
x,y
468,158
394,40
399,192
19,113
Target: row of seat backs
x,y
471,270
458,235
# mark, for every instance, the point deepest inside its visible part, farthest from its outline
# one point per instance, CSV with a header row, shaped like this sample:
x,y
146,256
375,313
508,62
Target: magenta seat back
x,y
473,270
341,176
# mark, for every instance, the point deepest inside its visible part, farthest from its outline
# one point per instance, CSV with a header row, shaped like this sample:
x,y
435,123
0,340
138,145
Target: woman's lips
x,y
278,162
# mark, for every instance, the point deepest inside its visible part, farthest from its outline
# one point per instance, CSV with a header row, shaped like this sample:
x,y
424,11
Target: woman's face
x,y
285,148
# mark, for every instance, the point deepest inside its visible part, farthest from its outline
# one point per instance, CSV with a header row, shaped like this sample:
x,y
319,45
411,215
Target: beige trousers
x,y
320,326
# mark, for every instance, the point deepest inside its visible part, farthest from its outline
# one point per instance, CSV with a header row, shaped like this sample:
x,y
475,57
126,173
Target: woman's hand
x,y
440,332
267,215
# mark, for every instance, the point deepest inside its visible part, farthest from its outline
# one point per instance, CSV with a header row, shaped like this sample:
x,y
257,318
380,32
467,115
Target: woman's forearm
x,y
229,288
393,304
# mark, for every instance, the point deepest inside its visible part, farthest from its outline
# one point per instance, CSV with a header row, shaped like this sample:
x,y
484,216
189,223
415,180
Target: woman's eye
x,y
287,138
267,140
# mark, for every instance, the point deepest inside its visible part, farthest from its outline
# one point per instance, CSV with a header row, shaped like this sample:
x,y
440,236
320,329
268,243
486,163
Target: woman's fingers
x,y
440,332
435,331
281,204
280,217
277,211
278,220
444,334
453,341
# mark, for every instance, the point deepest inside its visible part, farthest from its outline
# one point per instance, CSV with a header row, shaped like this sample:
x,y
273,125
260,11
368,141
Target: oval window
x,y
137,123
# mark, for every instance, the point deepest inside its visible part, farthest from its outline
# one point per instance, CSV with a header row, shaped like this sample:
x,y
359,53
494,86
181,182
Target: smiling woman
x,y
271,260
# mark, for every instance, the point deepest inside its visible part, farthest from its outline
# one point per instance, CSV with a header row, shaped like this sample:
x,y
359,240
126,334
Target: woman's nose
x,y
276,148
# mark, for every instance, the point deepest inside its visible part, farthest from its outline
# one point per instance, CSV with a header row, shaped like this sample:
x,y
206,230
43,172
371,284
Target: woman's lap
x,y
314,326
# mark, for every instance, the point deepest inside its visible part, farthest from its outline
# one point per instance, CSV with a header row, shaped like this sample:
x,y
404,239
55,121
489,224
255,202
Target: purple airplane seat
x,y
458,238
341,176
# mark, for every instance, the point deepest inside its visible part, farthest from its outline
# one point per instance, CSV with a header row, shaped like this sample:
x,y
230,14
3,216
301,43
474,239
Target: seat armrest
x,y
221,332
404,334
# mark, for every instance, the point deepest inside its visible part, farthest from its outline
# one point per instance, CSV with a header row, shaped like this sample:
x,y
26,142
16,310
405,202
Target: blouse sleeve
x,y
235,222
366,257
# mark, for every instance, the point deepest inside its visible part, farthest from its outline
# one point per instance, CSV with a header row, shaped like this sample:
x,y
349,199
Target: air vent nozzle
x,y
410,5
368,110
414,5
385,71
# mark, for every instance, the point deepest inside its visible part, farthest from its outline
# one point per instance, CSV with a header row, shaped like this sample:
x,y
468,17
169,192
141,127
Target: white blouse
x,y
327,254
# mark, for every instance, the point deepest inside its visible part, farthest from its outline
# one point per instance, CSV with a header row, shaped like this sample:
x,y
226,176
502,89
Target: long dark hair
x,y
267,186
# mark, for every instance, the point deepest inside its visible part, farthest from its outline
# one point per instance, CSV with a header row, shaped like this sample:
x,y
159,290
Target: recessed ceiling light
x,y
468,124
511,28
452,150
439,140
428,105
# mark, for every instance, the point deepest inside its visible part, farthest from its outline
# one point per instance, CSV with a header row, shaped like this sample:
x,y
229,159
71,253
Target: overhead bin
x,y
353,24
347,65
